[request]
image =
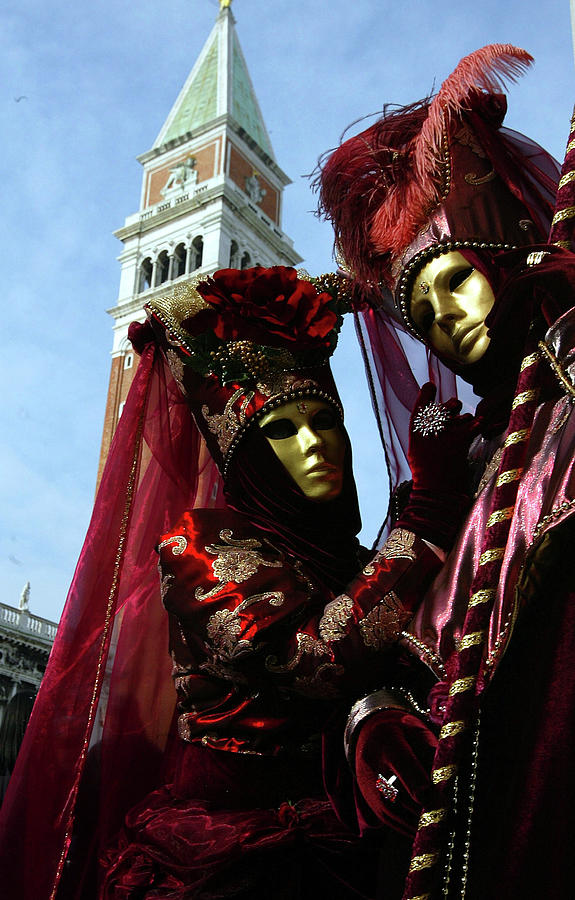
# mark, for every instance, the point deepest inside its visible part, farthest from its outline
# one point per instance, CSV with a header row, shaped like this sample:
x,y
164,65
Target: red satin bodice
x,y
259,650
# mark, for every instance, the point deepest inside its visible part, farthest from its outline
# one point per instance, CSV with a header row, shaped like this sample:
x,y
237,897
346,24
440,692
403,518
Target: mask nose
x,y
310,440
447,315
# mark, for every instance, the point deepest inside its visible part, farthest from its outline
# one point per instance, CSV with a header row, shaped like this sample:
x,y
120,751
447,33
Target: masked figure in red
x,y
276,618
443,217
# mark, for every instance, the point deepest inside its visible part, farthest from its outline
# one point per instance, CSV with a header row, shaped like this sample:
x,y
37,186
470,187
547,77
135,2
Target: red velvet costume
x,y
261,652
497,625
266,650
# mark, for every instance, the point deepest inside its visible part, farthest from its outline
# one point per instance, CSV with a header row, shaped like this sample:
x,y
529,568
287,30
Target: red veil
x,y
100,727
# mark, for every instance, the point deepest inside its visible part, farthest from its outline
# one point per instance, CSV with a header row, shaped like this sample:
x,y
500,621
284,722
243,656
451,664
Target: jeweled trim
x,y
411,269
286,397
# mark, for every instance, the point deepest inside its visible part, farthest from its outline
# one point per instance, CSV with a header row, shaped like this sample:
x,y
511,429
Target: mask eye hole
x,y
324,420
279,429
459,277
423,317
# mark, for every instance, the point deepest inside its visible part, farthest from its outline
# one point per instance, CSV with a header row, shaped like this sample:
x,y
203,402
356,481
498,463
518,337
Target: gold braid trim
x,y
482,597
570,147
462,684
425,861
491,555
516,437
566,179
557,369
509,476
471,640
444,773
563,215
501,515
525,396
450,730
530,360
566,245
421,897
433,817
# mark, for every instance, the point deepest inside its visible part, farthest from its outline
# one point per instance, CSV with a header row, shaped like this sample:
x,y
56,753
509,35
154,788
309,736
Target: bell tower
x,y
211,197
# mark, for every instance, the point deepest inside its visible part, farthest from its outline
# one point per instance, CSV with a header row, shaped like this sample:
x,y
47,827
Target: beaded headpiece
x,y
245,341
438,175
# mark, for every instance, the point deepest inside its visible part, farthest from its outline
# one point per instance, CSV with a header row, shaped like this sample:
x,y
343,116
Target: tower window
x,y
246,261
162,267
128,360
197,252
145,275
179,264
234,255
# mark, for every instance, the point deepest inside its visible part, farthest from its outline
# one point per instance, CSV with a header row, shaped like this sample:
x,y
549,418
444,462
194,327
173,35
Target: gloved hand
x,y
439,441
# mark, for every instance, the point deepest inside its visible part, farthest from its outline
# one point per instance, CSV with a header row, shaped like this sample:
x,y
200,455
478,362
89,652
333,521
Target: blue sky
x,y
98,79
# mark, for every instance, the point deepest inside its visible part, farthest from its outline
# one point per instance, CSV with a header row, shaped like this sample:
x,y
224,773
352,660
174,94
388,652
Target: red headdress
x,y
437,175
439,170
243,342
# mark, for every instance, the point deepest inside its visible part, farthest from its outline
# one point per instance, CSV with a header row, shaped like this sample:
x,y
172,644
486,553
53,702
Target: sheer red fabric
x,y
397,365
102,720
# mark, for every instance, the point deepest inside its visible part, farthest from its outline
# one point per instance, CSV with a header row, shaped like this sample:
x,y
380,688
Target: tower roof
x,y
218,85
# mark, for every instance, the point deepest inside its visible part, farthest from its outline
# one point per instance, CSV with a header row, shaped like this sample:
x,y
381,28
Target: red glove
x,y
439,441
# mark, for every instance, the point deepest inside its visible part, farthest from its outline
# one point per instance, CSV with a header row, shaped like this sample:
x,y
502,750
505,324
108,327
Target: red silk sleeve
x,y
248,613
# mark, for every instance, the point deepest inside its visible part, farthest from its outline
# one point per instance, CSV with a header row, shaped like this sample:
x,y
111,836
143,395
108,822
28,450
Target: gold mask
x,y
450,301
306,437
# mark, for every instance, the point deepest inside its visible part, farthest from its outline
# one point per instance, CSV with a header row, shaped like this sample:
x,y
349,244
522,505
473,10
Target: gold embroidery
x,y
444,773
226,425
530,360
223,630
563,215
383,624
516,437
524,397
461,684
490,470
335,617
433,817
224,626
491,556
165,584
536,257
483,596
451,729
501,515
508,477
236,560
472,178
570,147
180,544
283,382
471,640
177,369
467,138
397,546
566,179
421,897
424,861
305,644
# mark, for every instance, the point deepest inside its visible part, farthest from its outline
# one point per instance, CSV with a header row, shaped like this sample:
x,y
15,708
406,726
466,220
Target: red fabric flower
x,y
272,307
